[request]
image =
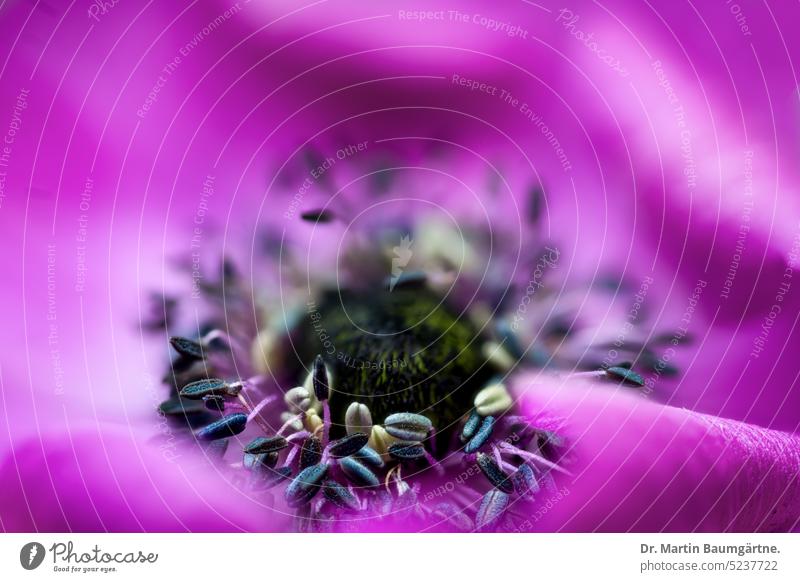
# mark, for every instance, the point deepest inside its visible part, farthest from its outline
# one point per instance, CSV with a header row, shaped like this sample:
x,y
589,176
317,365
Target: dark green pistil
x,y
399,351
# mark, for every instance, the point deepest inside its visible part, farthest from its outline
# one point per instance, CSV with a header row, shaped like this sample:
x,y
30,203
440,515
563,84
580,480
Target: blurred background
x,y
145,141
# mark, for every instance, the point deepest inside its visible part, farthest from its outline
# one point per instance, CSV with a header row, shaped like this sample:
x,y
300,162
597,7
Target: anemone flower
x,y
341,267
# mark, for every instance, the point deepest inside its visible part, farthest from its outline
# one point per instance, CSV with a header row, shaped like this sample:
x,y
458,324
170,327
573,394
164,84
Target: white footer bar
x,y
406,558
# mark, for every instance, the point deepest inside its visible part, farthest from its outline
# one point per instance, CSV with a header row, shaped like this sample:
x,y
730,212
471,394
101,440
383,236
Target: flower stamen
x,y
511,449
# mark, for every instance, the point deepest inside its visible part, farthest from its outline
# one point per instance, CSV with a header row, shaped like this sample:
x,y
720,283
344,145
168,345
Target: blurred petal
x,y
639,466
107,480
126,104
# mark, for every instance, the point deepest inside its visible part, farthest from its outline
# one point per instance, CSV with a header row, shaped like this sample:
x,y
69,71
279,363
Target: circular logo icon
x,y
31,555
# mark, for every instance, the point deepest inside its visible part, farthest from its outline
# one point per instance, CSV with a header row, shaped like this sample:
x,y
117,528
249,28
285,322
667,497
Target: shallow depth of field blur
x,y
614,182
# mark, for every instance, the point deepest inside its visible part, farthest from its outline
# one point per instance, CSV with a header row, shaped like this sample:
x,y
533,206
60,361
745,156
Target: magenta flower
x,y
345,268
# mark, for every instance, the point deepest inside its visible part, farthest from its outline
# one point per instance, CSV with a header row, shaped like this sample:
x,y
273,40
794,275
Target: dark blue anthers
x,y
492,506
311,453
340,495
494,474
481,436
187,348
358,473
472,424
266,445
306,485
226,426
369,456
406,451
348,445
407,426
210,387
625,376
215,403
525,482
319,379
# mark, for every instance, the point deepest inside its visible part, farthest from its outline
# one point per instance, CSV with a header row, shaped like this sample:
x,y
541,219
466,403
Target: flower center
x,y
400,351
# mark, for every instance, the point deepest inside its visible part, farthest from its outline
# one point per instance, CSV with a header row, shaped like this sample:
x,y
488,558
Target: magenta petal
x,y
639,466
107,481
